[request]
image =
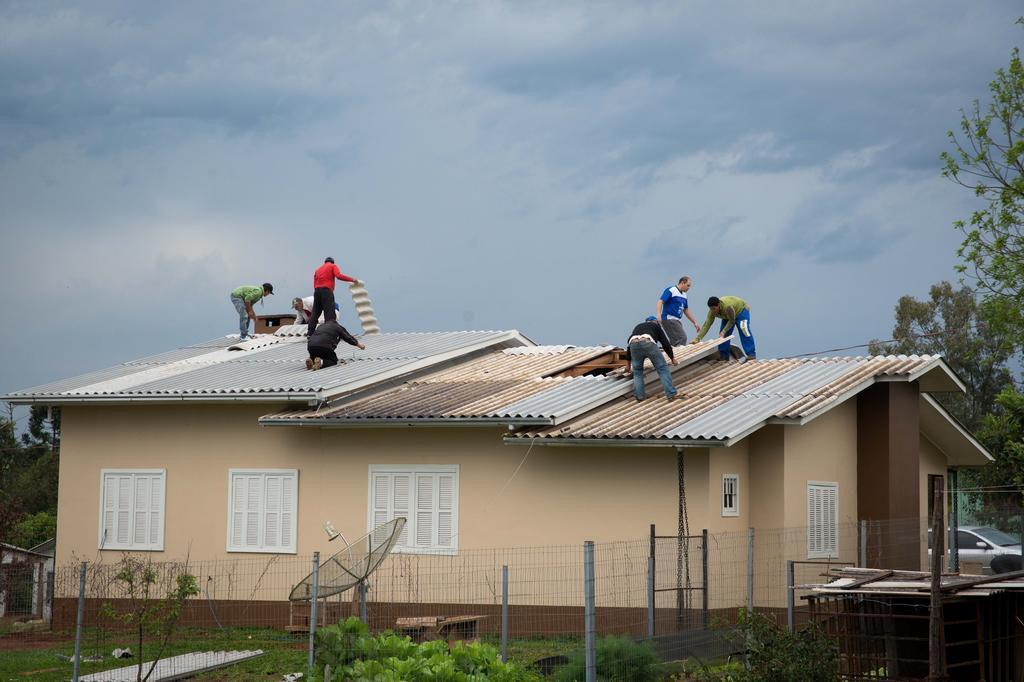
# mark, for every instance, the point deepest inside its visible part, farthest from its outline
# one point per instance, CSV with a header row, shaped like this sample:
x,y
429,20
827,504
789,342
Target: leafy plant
x,y
618,658
151,609
354,654
776,655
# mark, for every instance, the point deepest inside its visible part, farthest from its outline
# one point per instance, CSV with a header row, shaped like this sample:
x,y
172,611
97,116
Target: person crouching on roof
x,y
324,340
643,345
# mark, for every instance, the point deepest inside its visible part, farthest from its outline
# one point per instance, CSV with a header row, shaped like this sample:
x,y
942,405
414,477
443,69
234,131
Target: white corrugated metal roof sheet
x,y
724,401
269,366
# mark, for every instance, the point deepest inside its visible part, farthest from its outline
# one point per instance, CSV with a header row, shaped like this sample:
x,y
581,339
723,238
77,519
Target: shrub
x,y
776,655
618,658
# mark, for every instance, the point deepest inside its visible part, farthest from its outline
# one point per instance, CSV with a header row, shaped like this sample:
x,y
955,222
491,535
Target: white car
x,y
979,544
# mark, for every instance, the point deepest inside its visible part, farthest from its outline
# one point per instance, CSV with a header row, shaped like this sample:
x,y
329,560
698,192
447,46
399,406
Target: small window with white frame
x,y
730,495
262,510
822,519
426,495
132,509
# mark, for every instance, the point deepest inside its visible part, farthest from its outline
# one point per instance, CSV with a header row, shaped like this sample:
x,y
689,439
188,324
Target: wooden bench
x,y
448,628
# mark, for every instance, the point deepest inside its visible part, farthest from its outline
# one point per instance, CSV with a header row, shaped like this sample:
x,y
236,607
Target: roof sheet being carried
x,y
512,386
722,402
268,367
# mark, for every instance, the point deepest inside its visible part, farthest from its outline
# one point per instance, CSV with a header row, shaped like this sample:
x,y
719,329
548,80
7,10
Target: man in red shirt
x,y
323,292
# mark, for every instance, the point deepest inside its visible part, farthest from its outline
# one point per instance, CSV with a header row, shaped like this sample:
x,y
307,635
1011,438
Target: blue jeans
x,y
746,337
243,317
646,350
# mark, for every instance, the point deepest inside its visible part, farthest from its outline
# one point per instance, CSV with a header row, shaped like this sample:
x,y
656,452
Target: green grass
x,y
284,653
529,649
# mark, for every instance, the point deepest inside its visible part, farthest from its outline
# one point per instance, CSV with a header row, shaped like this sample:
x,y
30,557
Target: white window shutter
x,y
238,488
253,495
289,498
124,513
262,510
401,504
272,511
445,507
425,495
425,511
132,507
140,510
822,520
156,514
109,509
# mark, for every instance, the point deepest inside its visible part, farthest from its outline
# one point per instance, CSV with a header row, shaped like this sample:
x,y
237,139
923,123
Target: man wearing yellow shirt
x,y
734,313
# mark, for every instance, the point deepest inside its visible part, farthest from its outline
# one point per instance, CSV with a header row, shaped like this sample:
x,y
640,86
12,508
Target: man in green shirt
x,y
242,298
734,313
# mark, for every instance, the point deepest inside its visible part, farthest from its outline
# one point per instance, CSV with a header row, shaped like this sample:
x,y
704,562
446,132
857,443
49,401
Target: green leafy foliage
x,y
776,655
618,658
29,465
952,323
354,654
34,529
153,605
987,157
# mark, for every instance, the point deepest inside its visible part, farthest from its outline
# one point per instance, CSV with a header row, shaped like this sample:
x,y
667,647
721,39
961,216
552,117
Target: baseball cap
x,y
268,287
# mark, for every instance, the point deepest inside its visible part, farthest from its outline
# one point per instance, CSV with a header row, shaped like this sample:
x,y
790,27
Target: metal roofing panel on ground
x,y
718,401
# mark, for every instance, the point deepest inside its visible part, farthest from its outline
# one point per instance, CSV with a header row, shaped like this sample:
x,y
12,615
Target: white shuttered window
x,y
730,495
132,509
262,510
822,519
426,495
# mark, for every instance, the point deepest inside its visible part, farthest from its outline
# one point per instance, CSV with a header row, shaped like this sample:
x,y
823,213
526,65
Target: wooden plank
x,y
869,579
999,577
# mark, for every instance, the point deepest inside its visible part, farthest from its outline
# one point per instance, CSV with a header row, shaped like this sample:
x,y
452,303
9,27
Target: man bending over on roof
x,y
642,346
303,308
324,340
242,298
672,305
735,315
323,292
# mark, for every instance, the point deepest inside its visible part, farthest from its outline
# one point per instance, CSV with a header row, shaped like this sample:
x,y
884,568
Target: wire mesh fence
x,y
538,605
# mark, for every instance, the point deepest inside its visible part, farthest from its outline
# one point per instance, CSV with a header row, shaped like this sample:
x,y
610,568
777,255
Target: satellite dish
x,y
353,564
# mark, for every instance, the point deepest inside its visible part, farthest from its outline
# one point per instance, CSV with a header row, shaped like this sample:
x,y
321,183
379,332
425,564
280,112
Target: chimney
x,y
268,324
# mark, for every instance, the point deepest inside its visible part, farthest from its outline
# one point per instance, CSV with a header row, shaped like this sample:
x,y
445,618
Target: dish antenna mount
x,y
351,565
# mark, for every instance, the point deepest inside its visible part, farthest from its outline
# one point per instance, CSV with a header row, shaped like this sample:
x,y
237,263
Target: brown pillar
x,y
888,473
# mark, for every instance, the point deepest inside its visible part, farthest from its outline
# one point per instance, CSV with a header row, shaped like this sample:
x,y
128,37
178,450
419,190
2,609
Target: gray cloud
x,y
543,166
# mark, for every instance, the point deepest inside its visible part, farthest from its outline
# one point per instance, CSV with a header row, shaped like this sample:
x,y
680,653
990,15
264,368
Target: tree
x,y
988,158
952,323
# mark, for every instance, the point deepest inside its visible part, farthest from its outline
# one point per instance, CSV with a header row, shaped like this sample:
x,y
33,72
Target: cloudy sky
x,y
546,166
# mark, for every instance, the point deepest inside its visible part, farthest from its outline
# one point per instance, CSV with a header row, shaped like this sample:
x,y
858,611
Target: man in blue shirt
x,y
672,305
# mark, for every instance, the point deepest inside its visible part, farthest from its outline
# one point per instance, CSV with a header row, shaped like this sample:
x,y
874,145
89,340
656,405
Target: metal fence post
x,y
750,570
704,567
862,557
650,585
78,623
790,580
312,611
590,642
364,614
954,521
504,613
650,597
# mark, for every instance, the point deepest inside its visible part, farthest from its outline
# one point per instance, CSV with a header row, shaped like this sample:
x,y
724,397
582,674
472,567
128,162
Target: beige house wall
x,y
767,477
561,495
822,450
